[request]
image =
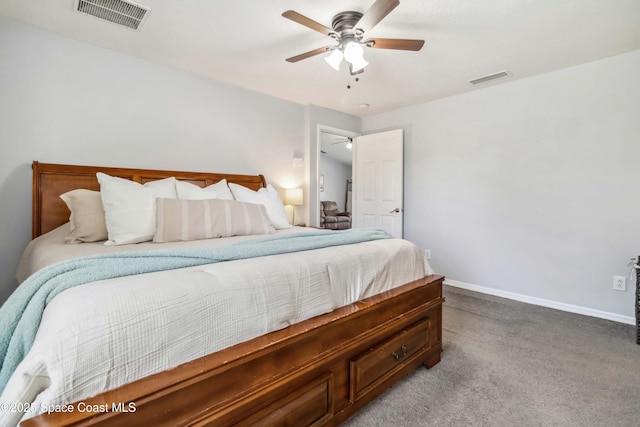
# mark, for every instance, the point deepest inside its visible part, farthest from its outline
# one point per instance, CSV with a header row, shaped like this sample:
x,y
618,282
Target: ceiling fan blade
x,y
399,44
307,22
375,14
342,140
308,54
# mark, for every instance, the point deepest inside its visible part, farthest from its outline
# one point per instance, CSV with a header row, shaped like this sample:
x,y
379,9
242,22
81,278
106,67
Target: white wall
x,y
62,101
530,188
335,181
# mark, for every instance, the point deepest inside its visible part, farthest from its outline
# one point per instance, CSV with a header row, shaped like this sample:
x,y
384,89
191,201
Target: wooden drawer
x,y
382,361
310,405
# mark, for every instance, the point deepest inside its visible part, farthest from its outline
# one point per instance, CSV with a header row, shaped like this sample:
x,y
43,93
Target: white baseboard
x,y
543,302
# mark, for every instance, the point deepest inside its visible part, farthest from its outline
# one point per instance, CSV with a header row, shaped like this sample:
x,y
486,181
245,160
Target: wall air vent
x,y
119,12
490,77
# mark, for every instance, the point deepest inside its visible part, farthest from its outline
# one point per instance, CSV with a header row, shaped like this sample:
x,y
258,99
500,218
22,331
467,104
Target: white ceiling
x,y
245,43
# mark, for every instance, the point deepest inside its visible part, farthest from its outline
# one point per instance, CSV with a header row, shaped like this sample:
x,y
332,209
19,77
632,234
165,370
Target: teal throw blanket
x,y
20,315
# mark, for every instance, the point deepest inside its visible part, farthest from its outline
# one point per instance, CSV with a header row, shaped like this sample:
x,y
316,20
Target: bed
x,y
316,371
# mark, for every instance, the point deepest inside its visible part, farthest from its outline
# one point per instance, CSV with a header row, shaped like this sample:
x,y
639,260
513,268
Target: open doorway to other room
x,y
335,178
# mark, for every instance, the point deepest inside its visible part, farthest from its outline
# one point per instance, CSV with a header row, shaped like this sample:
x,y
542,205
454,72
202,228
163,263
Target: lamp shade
x,y
293,196
358,64
353,52
334,59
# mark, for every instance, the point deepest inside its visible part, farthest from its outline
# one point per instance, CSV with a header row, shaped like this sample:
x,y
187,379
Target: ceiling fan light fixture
x,y
358,65
334,59
353,52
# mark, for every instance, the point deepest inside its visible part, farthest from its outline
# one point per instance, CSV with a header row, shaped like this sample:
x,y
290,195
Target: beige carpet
x,y
507,363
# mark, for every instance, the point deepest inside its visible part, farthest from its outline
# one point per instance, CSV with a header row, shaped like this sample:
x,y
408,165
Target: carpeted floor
x,y
507,363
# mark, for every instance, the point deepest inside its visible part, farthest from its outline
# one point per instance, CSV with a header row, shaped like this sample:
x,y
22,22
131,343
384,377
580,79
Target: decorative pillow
x,y
183,220
189,191
130,208
87,216
268,197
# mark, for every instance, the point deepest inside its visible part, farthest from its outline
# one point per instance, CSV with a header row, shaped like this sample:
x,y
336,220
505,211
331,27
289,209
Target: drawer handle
x,y
400,354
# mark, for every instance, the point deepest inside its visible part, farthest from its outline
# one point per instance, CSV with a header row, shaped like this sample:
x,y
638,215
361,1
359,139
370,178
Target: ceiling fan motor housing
x,y
344,22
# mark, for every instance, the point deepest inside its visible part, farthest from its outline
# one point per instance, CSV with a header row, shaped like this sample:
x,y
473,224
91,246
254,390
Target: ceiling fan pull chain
x,y
357,79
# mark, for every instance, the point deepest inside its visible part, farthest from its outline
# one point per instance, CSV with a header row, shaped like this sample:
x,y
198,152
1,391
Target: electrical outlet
x,y
619,283
427,253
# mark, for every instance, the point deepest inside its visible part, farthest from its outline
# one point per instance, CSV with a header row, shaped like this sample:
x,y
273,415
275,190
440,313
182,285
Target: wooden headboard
x,y
52,180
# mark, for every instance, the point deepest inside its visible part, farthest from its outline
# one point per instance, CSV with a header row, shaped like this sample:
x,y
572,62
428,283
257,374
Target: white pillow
x,y
130,208
268,197
188,191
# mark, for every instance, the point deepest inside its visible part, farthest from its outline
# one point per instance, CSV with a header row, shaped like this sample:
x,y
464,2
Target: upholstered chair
x,y
331,218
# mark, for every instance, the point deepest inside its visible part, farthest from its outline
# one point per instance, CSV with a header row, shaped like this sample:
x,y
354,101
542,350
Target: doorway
x,y
334,169
336,159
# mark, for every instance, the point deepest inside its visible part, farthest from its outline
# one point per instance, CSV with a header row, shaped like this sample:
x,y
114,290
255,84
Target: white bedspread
x,y
98,336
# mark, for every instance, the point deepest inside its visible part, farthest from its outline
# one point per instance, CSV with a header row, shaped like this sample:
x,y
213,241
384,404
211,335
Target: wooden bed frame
x,y
317,372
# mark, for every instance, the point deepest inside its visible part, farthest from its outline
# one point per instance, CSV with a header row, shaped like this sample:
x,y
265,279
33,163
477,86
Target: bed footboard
x,y
317,372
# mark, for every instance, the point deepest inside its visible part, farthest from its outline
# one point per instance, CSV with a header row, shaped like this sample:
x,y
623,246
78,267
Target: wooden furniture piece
x,y
347,203
317,372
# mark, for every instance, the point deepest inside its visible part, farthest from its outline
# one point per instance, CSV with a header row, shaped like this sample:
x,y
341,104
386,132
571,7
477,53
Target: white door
x,y
378,180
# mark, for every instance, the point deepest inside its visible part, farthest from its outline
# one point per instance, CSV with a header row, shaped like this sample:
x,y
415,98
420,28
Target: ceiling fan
x,y
342,140
348,30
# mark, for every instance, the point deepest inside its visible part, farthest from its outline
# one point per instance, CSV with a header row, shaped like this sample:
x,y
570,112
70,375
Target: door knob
x,y
395,210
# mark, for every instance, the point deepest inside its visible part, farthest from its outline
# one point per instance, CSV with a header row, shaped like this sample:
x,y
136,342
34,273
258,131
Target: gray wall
x,y
62,101
335,181
530,188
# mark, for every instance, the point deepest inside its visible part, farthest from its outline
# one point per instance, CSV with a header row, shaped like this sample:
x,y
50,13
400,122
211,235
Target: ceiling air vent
x,y
490,77
119,12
